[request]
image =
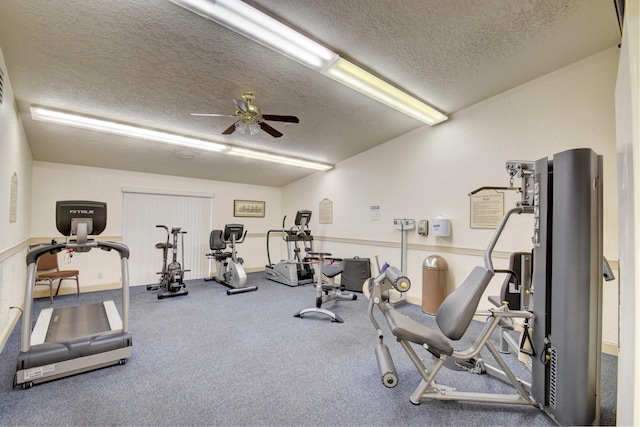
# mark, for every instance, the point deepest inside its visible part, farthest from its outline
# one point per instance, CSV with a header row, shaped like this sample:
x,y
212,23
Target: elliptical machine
x,y
295,270
172,274
229,269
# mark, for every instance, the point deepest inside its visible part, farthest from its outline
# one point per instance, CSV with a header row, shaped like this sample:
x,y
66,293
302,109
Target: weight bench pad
x,y
406,328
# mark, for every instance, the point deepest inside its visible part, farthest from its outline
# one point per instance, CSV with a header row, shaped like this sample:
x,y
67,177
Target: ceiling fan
x,y
250,118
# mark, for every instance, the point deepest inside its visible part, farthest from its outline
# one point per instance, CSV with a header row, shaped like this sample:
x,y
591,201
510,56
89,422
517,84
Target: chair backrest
x,y
457,310
48,261
215,241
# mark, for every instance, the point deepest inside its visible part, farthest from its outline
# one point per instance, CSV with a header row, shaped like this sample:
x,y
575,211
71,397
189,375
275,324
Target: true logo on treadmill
x,y
81,211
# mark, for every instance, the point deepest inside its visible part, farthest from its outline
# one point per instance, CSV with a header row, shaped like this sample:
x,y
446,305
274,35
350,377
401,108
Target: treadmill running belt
x,y
76,322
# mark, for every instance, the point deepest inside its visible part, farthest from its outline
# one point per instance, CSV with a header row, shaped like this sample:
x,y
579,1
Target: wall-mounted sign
x,y
326,212
375,213
13,203
486,209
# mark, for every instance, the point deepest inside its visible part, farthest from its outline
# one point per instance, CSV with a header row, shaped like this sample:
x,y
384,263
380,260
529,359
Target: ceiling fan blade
x,y
241,104
271,131
230,129
276,118
212,115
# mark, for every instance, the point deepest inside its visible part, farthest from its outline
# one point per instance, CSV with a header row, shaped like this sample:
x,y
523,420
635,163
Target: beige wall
x,y
420,175
53,182
16,158
628,144
430,171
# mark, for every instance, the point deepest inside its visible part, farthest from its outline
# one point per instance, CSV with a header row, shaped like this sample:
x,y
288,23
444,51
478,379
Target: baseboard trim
x,y
13,321
609,347
43,292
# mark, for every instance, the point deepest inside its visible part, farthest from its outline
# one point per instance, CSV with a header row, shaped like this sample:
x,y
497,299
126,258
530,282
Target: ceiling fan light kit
x,y
251,119
260,27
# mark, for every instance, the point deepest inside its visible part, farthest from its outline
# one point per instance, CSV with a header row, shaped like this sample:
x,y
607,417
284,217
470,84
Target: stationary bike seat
x,y
163,245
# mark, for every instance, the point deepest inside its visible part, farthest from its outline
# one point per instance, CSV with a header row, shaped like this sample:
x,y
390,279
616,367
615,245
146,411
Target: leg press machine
x,y
562,322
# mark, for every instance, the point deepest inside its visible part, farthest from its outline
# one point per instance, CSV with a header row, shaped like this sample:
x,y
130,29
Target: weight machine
x,y
295,270
229,269
564,195
327,291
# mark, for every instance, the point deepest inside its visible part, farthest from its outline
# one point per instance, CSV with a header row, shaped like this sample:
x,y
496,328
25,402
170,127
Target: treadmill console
x,y
70,213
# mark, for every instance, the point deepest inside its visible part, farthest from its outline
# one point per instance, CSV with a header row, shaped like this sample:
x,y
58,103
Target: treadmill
x,y
72,340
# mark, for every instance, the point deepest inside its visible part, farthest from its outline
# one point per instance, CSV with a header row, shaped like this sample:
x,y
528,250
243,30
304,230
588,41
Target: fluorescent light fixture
x,y
257,155
260,27
106,126
366,83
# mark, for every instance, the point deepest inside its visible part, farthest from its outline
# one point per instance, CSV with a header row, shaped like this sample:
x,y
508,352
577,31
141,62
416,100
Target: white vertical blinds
x,y
143,210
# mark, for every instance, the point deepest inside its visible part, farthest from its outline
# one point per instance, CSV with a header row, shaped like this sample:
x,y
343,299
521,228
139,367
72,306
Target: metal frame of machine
x,y
564,194
80,338
295,270
229,269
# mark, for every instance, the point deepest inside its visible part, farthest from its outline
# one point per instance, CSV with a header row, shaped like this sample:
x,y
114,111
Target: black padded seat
x,y
404,327
216,244
221,256
332,267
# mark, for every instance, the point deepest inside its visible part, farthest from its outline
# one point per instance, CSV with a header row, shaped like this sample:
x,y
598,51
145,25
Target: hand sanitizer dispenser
x,y
441,227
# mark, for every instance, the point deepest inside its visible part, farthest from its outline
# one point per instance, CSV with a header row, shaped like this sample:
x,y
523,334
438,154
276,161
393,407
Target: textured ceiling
x,y
151,62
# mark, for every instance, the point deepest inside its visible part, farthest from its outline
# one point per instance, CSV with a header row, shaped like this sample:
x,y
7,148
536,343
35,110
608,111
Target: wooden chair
x,y
48,271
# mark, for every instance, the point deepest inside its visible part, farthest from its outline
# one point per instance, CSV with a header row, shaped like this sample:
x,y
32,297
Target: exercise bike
x,y
229,269
172,274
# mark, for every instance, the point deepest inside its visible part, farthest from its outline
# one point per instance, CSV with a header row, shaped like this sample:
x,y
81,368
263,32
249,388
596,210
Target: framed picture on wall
x,y
248,208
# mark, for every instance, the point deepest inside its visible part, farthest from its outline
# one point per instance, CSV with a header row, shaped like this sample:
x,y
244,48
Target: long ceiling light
x,y
122,129
106,126
260,27
257,155
366,83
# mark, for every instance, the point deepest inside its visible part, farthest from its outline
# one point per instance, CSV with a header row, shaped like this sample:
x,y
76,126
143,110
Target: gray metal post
x,y
568,287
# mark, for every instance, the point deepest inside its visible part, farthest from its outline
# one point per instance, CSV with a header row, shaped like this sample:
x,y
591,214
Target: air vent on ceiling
x,y
1,86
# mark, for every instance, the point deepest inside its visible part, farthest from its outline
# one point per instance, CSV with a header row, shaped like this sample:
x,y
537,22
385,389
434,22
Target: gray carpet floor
x,y
209,358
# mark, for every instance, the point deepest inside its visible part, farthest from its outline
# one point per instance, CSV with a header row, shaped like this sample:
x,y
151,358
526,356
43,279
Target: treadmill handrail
x,y
34,254
32,264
